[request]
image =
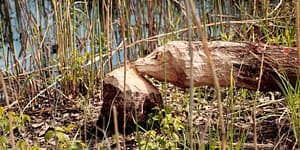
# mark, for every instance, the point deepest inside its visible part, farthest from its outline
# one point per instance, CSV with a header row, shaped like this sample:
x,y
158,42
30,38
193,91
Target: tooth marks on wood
x,y
247,70
243,59
141,98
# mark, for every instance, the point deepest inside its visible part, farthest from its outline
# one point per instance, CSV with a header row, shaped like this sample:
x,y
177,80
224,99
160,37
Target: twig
x,y
259,146
105,138
254,105
298,29
125,62
40,93
279,141
116,127
207,124
268,146
278,5
191,103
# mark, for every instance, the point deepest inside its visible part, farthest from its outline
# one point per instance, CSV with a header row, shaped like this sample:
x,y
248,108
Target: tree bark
x,y
141,98
170,63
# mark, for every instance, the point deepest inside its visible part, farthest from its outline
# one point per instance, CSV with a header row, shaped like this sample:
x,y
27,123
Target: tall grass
x,y
292,93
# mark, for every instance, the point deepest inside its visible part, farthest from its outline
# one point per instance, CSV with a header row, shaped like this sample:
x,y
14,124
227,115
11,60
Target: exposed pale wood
x,y
170,62
141,98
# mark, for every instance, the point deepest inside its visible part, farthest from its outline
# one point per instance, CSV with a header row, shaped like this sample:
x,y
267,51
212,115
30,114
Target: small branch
x,y
40,93
116,127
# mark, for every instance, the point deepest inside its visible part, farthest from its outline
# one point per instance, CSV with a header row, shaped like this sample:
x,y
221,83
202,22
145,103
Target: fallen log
x,y
141,98
171,63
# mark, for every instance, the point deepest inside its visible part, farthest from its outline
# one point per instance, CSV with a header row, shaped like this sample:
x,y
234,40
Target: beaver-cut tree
x,y
141,98
171,63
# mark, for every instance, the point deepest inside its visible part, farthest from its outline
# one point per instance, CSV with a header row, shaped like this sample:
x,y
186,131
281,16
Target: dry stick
x,y
267,146
207,124
58,33
191,74
254,105
214,74
10,118
256,94
298,36
108,24
101,70
125,61
116,127
40,93
254,10
298,29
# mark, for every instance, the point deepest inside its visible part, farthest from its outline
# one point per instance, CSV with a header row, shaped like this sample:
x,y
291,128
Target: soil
x,y
274,130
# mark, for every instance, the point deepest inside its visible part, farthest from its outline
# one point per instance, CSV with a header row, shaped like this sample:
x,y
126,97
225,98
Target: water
x,y
45,21
19,27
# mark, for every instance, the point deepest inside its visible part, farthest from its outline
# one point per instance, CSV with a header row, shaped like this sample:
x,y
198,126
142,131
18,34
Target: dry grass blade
x,y
116,127
39,94
254,105
191,103
298,29
122,23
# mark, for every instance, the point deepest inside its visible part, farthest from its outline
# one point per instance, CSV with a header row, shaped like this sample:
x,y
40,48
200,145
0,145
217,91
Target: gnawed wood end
x,y
141,98
171,62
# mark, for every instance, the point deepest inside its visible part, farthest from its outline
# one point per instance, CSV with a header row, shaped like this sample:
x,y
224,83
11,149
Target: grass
x,y
292,92
89,36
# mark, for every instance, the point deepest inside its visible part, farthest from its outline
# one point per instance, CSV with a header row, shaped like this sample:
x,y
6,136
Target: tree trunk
x,y
141,98
170,63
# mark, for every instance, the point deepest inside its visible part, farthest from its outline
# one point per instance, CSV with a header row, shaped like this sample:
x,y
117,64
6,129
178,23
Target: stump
x,y
141,98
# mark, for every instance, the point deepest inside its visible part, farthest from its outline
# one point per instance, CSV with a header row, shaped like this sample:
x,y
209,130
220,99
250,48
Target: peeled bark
x,y
171,63
141,98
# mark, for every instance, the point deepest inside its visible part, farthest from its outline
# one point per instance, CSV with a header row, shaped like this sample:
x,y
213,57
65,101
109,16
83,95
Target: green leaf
x,y
49,135
155,118
61,136
35,148
70,127
3,140
3,123
22,144
2,112
175,136
59,129
26,118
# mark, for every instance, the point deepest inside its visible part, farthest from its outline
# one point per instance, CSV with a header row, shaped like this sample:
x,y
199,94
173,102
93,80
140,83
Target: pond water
x,y
41,13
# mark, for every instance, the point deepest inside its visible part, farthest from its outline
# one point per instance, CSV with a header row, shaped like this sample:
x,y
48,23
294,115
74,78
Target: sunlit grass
x,y
292,93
